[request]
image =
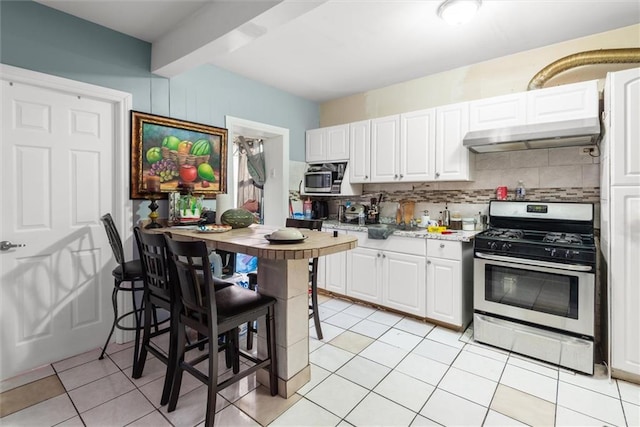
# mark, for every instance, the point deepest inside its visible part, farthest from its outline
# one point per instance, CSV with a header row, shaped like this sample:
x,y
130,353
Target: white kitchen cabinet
x,y
417,146
328,144
403,146
449,292
497,112
454,162
564,102
385,152
360,151
620,219
388,272
332,269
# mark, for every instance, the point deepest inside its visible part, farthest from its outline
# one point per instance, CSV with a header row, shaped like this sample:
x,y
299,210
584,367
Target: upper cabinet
x,y
360,151
327,144
398,148
454,162
554,104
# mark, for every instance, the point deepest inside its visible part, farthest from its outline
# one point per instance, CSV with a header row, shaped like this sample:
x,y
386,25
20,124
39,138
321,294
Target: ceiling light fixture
x,y
458,12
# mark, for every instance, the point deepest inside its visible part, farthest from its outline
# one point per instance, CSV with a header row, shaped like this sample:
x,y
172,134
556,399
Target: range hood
x,y
533,136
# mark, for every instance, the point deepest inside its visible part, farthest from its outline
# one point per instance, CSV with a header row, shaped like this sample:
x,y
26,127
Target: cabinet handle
x,y
378,255
384,256
428,261
366,177
401,176
395,176
437,174
441,245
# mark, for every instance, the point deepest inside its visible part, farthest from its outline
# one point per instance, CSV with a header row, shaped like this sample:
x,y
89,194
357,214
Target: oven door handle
x,y
535,263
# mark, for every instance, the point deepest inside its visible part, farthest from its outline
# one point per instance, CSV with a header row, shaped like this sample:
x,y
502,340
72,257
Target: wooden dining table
x,y
283,273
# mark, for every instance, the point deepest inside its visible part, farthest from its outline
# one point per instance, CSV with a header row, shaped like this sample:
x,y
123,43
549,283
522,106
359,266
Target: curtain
x,y
246,188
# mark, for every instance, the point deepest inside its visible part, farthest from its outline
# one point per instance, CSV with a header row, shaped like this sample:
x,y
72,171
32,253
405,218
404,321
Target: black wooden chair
x,y
311,224
125,271
212,313
158,294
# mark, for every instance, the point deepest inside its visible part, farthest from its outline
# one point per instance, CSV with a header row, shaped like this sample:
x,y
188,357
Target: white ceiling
x,y
326,49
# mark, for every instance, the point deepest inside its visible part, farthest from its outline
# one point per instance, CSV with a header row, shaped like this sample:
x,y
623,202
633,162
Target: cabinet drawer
x,y
406,245
444,249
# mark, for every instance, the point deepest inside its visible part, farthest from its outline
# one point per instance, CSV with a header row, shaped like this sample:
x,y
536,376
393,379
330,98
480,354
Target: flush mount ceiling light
x,y
458,12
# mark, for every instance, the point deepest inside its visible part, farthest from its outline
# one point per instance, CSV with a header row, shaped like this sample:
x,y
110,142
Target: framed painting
x,y
167,153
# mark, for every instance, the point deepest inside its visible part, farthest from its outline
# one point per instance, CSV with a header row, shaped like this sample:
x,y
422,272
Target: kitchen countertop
x,y
421,233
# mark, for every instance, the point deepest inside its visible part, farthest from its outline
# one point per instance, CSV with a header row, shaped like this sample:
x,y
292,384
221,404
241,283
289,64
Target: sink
x,y
380,231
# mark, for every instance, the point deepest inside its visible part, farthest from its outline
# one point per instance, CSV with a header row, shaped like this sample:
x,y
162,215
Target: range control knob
x,y
506,246
569,254
492,245
554,252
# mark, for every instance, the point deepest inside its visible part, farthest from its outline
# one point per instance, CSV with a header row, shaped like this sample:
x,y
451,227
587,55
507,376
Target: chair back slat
x,y
155,262
114,238
195,290
309,224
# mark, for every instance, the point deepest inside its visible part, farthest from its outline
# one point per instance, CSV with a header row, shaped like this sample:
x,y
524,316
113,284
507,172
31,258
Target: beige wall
x,y
490,78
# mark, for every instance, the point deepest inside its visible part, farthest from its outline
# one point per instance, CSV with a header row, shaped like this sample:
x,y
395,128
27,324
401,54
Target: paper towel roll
x,y
223,203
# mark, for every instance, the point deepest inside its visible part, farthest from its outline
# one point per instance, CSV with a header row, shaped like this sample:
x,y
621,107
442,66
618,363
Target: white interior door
x,y
57,180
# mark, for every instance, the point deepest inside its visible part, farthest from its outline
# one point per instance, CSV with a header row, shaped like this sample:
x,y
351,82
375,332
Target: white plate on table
x,y
284,241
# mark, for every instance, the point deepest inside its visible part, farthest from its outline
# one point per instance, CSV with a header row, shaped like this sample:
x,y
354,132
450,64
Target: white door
x,y
404,282
385,139
444,280
359,151
57,180
418,146
363,274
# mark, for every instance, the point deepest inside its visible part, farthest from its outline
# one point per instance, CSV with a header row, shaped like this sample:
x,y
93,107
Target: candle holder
x,y
153,206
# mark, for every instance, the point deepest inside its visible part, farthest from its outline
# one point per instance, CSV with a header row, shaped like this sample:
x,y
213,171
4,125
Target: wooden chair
x,y
211,313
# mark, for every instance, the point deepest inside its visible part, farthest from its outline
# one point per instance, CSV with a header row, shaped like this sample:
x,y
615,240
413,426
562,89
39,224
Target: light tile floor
x,y
372,368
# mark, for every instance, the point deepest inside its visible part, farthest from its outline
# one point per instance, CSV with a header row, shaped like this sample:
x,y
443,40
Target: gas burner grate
x,y
570,238
505,233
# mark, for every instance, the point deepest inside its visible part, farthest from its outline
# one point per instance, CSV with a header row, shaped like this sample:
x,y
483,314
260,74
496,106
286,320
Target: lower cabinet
x,y
332,270
450,282
379,273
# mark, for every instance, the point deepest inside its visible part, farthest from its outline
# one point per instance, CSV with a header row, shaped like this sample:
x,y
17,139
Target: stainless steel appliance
x,y
534,281
324,178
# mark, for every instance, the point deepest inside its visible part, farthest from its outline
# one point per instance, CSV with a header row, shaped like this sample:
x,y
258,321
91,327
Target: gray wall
x,y
42,39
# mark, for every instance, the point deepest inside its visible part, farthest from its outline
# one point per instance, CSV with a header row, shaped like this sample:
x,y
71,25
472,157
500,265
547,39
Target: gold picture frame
x,y
182,152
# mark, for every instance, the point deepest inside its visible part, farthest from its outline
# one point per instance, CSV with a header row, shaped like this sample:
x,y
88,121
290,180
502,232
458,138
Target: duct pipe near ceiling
x,y
604,56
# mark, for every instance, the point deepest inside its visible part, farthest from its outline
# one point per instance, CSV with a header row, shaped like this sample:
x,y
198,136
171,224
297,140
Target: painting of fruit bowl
x,y
167,154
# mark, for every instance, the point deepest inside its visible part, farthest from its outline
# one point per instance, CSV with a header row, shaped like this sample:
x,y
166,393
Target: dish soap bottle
x,y
520,191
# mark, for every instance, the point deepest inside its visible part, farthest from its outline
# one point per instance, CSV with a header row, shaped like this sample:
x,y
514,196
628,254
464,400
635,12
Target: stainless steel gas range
x,y
534,281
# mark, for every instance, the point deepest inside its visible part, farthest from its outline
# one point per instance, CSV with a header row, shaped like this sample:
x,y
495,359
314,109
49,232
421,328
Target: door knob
x,y
5,245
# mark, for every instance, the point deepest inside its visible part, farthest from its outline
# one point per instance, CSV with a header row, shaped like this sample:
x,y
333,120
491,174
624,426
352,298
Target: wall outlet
x,y
586,150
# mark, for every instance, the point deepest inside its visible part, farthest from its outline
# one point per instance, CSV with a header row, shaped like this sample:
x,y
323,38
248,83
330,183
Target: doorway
x,y
276,153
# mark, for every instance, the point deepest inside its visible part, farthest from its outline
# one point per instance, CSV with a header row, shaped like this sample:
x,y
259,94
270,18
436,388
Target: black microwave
x,y
319,181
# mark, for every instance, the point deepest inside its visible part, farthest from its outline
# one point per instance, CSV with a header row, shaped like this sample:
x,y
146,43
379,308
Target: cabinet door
x,y
444,282
498,112
360,151
624,271
418,145
453,160
337,142
336,273
403,285
385,138
564,102
316,149
624,134
362,274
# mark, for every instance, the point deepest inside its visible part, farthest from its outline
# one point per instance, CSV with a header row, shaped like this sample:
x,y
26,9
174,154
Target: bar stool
x,y
125,271
211,313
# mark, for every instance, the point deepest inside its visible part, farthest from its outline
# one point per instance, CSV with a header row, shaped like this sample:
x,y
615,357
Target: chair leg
x,y
114,302
212,386
316,314
138,365
271,351
249,335
176,381
137,314
172,359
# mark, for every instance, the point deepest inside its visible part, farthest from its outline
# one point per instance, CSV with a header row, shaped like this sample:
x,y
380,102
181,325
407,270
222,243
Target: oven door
x,y
547,294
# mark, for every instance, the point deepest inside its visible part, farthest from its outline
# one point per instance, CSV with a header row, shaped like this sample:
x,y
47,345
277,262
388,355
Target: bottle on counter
x,y
307,208
520,191
446,216
361,219
478,220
